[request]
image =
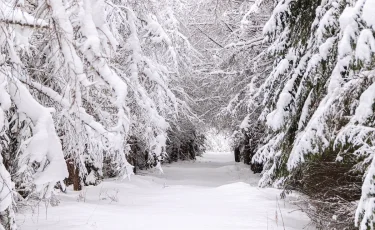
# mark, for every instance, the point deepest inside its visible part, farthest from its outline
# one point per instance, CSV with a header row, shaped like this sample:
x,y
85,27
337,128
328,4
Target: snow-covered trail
x,y
213,193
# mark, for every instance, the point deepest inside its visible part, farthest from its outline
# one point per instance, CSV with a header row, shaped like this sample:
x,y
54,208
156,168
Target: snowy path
x,y
213,193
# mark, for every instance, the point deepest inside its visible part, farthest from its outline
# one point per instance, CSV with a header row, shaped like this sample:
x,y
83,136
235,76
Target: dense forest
x,y
94,89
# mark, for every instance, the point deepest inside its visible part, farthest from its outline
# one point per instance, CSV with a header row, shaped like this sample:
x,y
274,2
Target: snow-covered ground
x,y
212,193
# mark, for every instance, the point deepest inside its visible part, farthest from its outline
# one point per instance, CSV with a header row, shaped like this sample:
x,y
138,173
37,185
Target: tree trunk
x,y
74,177
247,155
76,180
237,154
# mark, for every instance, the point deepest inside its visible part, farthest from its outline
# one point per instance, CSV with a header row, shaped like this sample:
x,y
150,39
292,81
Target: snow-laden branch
x,y
80,114
44,146
11,14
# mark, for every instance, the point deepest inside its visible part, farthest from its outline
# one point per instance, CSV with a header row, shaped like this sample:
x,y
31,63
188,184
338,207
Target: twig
x,y
281,214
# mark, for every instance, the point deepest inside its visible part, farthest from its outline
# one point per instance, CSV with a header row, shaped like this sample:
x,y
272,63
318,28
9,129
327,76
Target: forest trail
x,y
212,193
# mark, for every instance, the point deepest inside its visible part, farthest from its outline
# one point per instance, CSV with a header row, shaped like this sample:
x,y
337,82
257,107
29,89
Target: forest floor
x,y
211,193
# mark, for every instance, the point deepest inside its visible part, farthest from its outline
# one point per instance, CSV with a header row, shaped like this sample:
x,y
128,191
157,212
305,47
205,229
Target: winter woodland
x,y
97,90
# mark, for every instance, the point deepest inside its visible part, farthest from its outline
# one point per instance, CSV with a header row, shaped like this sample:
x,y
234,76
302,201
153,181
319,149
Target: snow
x,y
211,193
366,101
277,117
327,21
6,187
4,101
326,48
10,14
100,13
281,8
305,111
156,32
368,13
245,123
347,18
89,29
365,209
365,46
44,146
217,141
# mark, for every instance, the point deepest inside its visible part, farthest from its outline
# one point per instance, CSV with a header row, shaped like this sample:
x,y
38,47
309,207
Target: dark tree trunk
x,y
135,151
250,144
76,180
237,154
247,154
74,177
256,167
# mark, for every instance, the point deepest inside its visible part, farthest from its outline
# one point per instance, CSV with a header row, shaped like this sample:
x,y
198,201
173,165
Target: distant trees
x,y
236,64
229,34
